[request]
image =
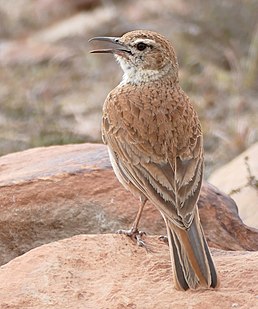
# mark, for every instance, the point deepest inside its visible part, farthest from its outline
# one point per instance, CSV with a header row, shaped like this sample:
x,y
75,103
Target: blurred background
x,y
52,89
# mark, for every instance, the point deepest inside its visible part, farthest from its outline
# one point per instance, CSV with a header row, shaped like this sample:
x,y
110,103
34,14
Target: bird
x,y
155,144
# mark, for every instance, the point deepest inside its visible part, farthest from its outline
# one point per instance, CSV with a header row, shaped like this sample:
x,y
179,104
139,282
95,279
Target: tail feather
x,y
214,276
179,273
192,260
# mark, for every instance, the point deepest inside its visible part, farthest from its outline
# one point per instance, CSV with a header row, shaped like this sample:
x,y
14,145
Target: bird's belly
x,y
116,169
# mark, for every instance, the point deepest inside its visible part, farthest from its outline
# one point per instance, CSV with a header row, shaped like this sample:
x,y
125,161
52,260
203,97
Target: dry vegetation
x,y
251,181
56,100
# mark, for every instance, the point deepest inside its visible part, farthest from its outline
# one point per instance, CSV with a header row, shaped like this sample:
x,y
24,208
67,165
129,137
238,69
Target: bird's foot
x,y
164,239
134,234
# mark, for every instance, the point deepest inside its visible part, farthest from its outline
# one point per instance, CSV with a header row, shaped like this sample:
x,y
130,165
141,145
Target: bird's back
x,y
156,118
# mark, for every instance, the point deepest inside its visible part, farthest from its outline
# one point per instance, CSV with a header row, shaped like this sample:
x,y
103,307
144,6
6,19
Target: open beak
x,y
118,48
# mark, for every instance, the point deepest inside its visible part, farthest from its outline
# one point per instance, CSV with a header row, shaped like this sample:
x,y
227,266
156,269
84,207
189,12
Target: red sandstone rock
x,y
109,271
51,193
222,225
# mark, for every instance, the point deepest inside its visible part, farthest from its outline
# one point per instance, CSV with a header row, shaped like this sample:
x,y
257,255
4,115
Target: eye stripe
x,y
144,40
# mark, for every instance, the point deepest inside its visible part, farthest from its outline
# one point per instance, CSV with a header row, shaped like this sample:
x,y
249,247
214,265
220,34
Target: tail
x,y
193,265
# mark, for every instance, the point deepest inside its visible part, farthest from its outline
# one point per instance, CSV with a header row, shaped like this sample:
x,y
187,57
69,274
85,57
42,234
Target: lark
x,y
155,144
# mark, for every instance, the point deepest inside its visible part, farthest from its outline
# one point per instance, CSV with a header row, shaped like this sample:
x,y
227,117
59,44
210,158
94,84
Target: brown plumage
x,y
155,144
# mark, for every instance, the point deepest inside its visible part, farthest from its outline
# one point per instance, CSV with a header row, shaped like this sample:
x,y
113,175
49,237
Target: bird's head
x,y
143,55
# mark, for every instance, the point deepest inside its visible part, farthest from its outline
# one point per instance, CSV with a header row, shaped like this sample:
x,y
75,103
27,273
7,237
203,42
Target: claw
x,y
139,240
134,234
164,239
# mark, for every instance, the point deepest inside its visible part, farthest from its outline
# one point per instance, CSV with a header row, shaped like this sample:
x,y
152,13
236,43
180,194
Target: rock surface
x,y
240,177
222,225
110,271
56,192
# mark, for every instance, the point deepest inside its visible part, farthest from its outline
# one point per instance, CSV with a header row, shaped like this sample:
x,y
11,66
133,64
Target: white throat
x,y
133,75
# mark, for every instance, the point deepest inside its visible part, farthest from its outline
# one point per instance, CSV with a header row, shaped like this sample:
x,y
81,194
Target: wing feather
x,y
172,186
156,149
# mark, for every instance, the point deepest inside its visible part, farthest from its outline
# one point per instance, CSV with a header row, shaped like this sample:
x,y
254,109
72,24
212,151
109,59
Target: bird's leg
x,y
133,232
163,237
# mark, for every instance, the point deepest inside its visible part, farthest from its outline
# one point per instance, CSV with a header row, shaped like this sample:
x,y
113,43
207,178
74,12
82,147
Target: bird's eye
x,y
141,46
